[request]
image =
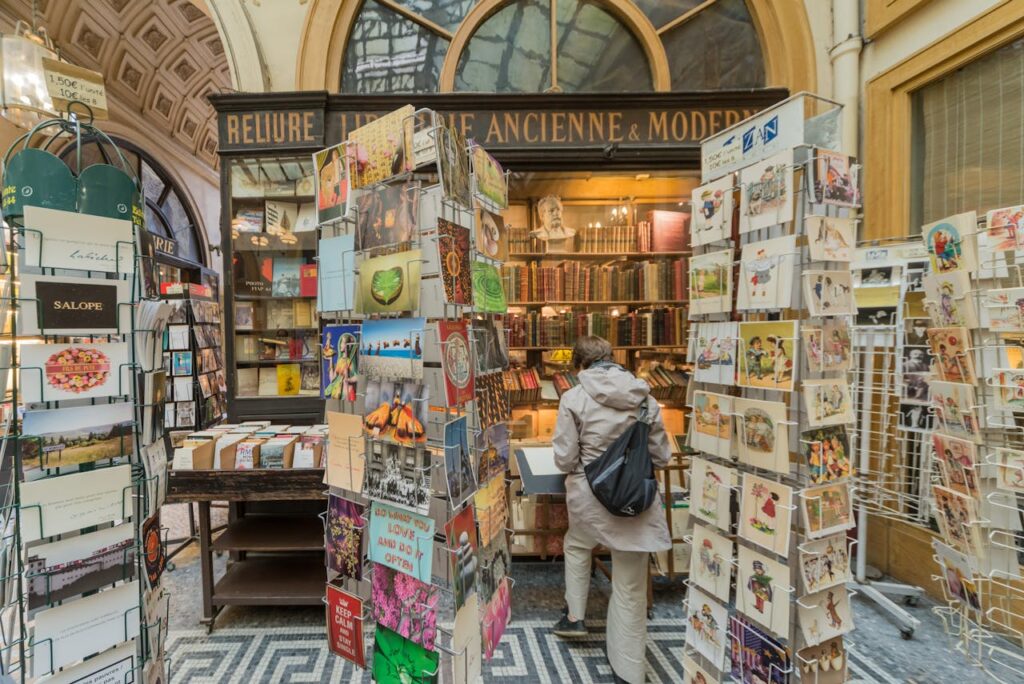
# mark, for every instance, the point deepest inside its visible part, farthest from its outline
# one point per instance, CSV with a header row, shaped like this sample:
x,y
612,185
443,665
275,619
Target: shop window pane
x,y
596,52
510,52
717,49
182,228
152,186
388,53
661,12
447,14
155,223
968,139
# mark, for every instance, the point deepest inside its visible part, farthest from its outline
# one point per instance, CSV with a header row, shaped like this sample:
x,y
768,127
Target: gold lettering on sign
x,y
527,135
494,131
77,306
231,124
656,127
615,126
576,125
558,127
307,131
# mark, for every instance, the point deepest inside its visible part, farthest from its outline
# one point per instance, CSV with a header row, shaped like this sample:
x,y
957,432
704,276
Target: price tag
x,y
67,82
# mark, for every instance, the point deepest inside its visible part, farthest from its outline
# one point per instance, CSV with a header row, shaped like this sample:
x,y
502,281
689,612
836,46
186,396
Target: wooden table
x,y
286,566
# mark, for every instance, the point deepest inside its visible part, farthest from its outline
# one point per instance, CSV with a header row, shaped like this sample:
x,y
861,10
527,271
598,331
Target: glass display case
x,y
270,298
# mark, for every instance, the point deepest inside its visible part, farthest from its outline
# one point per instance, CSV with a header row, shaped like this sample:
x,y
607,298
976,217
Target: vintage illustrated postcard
x,y
763,587
712,211
959,521
711,282
693,673
716,352
835,179
828,402
1004,309
711,486
958,576
826,509
951,242
763,434
762,659
830,238
712,423
827,346
825,663
398,475
766,274
706,627
825,563
766,359
1009,388
958,463
711,561
950,348
949,303
829,293
954,405
1010,471
766,192
826,451
825,615
766,509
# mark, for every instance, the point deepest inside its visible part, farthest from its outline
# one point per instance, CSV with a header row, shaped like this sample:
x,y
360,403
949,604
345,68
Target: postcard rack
x,y
428,517
60,368
773,403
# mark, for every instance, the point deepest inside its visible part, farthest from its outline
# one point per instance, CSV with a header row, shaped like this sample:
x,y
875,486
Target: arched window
x,y
531,46
168,212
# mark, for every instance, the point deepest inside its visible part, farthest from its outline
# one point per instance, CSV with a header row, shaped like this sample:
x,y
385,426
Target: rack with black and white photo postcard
x,y
417,448
84,548
773,400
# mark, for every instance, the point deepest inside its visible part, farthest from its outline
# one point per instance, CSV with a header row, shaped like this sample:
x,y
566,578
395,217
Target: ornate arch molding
x,y
245,60
782,27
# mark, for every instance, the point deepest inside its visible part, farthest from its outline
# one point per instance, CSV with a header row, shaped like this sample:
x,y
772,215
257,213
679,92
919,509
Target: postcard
x,y
831,238
405,605
711,562
712,423
1003,309
382,148
331,169
453,163
827,347
491,235
766,509
55,372
280,217
392,348
345,624
959,521
766,274
397,411
80,564
387,214
62,305
56,438
397,660
763,588
766,354
712,211
826,509
716,358
1010,473
829,293
345,463
763,435
453,253
492,448
61,504
1009,388
958,576
495,560
761,659
706,625
286,281
401,540
489,177
491,509
336,271
489,344
113,665
488,288
825,663
86,626
398,475
951,349
463,545
289,379
456,362
1004,230
826,451
496,618
766,192
492,399
951,241
835,179
828,402
711,486
825,563
339,361
958,463
711,282
153,549
84,242
825,615
458,466
693,673
391,283
949,303
181,363
344,537
954,405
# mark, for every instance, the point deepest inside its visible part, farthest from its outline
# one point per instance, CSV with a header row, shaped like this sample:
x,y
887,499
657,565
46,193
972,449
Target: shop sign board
x,y
775,129
67,83
271,129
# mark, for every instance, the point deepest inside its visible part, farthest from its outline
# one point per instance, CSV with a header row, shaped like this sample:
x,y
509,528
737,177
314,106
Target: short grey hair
x,y
589,350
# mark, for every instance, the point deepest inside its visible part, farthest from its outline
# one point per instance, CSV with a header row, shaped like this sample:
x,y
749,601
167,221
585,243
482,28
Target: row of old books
x,y
522,385
658,327
619,281
661,231
564,381
667,383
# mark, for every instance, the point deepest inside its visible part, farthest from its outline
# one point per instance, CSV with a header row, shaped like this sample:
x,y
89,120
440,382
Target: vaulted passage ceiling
x,y
160,59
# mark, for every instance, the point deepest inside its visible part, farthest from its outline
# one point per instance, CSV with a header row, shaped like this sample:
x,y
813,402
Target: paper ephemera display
x,y
766,509
953,359
712,423
826,509
958,463
712,211
831,238
828,402
711,562
949,304
766,192
763,590
382,148
1010,471
762,434
957,575
766,355
825,615
951,241
835,179
711,485
66,239
55,372
716,345
829,293
706,625
711,282
766,274
959,521
827,347
954,407
825,563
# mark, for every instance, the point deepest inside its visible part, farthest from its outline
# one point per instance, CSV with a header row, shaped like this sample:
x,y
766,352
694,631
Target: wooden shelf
x,y
246,485
273,581
636,302
594,255
614,346
272,533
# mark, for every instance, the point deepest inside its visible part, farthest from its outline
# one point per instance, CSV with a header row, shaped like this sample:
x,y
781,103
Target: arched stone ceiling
x,y
160,59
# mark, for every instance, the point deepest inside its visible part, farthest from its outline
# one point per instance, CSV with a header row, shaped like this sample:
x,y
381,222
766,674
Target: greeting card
x,y
959,521
489,177
766,192
711,562
491,235
706,625
344,537
828,402
755,656
763,436
345,624
827,347
458,468
391,283
405,605
824,615
57,438
336,271
958,463
954,405
387,215
951,243
84,242
339,361
711,484
766,274
493,447
712,423
693,673
497,615
825,563
826,509
399,475
951,349
463,542
397,660
711,282
835,179
1010,473
401,540
453,162
392,348
56,372
958,576
456,361
766,354
453,253
826,451
488,290
829,293
830,238
766,508
331,170
712,211
949,303
825,663
716,345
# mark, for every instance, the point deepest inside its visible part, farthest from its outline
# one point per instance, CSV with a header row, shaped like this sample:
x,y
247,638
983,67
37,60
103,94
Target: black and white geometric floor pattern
x,y
529,653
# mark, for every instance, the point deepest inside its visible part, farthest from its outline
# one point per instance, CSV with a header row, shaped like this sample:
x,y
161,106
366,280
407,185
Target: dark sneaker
x,y
567,628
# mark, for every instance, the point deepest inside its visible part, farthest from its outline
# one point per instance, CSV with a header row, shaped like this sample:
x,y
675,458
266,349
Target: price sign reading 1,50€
x,y
67,82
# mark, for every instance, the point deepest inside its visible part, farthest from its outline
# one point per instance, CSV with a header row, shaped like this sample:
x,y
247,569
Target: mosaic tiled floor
x,y
528,653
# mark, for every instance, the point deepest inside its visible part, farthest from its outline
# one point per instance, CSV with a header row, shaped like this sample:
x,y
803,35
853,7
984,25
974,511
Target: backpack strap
x,y
643,413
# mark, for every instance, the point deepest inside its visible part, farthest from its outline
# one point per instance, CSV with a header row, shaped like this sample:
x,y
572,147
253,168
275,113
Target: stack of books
x,y
522,385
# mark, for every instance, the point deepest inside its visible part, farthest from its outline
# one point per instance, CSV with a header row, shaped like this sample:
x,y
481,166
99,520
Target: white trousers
x,y
626,632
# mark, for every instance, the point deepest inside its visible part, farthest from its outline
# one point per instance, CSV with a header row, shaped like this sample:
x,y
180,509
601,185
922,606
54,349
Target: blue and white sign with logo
x,y
773,130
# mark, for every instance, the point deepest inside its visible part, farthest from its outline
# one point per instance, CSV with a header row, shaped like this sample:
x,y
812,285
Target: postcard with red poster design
x,y
345,625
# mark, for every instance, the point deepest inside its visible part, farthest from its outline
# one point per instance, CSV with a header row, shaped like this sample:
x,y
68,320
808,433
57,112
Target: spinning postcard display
x,y
418,445
770,418
84,501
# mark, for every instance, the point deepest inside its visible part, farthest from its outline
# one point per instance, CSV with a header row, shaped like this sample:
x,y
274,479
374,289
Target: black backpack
x,y
622,479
